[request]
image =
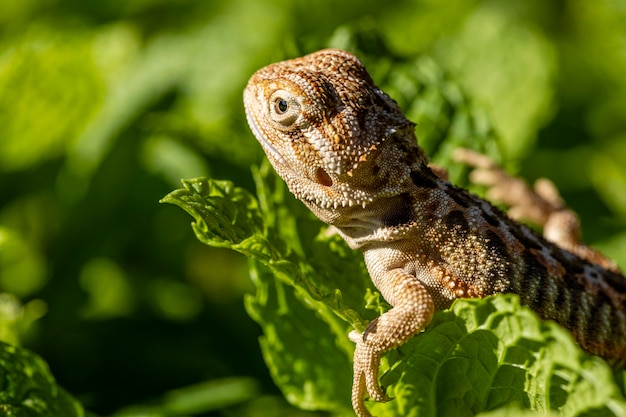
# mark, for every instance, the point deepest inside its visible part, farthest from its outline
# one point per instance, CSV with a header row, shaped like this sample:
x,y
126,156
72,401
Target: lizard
x,y
347,151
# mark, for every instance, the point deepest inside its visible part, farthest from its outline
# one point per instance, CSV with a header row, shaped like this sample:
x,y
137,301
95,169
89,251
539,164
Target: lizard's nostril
x,y
323,178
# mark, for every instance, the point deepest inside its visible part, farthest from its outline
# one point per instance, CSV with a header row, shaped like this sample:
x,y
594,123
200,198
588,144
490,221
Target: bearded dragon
x,y
346,150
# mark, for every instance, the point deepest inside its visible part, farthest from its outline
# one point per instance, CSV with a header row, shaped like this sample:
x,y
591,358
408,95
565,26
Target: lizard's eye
x,y
284,108
281,105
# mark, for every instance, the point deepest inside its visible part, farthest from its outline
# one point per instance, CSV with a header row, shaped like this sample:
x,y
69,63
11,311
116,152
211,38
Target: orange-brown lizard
x,y
348,152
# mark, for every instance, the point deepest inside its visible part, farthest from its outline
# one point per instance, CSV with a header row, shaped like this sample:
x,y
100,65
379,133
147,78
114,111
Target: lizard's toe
x,y
355,337
358,393
366,364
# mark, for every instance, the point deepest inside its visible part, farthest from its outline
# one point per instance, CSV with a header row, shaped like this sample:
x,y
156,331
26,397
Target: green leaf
x,y
28,389
225,216
297,298
484,354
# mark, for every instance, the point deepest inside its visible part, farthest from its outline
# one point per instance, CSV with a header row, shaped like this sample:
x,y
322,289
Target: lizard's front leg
x,y
413,308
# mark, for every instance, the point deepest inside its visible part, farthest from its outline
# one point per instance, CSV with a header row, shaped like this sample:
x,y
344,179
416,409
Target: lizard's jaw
x,y
267,146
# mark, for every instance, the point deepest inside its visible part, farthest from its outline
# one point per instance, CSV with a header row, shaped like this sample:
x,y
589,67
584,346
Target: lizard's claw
x,y
366,364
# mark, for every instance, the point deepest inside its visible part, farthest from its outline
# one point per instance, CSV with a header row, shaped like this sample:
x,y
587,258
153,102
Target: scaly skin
x,y
347,151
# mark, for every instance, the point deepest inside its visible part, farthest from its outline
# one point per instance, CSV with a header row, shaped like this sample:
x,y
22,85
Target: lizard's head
x,y
330,133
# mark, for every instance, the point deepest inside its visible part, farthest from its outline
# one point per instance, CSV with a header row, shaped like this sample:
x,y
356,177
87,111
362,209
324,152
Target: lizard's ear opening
x,y
322,177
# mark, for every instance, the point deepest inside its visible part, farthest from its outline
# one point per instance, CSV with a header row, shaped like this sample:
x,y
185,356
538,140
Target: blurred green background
x,y
105,105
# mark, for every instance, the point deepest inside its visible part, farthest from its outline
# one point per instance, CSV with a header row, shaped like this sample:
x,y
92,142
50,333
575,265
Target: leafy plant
x,y
28,388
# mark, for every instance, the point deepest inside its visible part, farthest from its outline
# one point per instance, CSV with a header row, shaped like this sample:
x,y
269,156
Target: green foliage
x,y
34,79
28,388
105,105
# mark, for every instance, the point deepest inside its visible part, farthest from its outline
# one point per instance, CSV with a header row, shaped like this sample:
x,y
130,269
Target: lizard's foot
x,y
541,204
524,203
413,308
366,364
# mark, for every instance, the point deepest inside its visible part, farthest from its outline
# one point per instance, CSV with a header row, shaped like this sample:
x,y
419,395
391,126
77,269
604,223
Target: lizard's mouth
x,y
258,133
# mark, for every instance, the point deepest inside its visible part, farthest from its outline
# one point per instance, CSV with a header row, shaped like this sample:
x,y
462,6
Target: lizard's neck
x,y
395,212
